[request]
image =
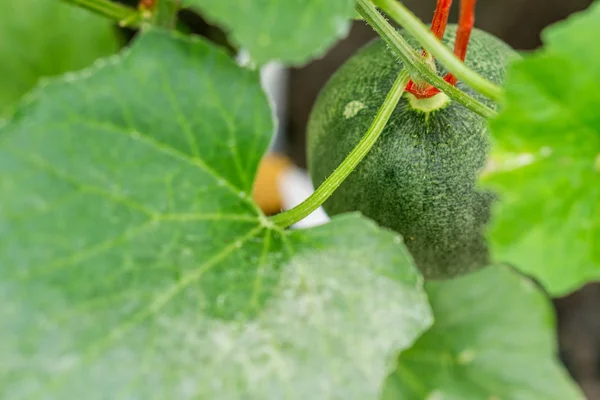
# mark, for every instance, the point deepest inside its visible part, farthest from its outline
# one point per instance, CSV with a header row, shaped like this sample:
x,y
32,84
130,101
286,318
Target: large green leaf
x,y
134,264
47,37
493,339
546,163
292,31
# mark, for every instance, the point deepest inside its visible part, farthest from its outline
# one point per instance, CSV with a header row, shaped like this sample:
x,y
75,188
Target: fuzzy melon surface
x,y
420,177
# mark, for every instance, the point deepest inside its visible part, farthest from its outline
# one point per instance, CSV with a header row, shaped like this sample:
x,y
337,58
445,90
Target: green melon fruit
x,y
420,177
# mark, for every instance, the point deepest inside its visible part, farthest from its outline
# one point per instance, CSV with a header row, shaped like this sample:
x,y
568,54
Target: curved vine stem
x,y
363,147
414,62
419,31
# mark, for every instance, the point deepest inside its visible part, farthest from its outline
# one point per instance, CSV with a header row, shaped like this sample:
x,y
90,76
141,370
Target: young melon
x,y
420,177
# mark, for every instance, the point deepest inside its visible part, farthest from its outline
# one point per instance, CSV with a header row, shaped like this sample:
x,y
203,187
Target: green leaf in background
x,y
493,339
47,37
134,264
291,31
546,161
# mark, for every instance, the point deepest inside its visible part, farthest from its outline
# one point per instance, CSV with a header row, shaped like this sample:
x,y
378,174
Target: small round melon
x,y
420,177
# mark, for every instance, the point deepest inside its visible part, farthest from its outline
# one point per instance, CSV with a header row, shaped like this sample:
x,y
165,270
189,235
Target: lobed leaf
x,y
290,31
493,338
134,264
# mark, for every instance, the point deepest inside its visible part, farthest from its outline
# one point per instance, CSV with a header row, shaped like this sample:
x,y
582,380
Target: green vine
x,y
418,30
414,62
363,147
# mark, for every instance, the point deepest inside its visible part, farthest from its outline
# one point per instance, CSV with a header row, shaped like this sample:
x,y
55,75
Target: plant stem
x,y
466,22
440,18
108,9
413,62
419,31
359,152
166,13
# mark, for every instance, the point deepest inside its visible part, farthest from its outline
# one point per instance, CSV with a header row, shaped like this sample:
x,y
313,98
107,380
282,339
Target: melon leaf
x,y
134,264
43,38
493,338
546,160
290,31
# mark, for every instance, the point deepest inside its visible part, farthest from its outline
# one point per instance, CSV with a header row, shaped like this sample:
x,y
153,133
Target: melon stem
x,y
466,22
326,189
438,28
412,61
440,18
419,31
439,23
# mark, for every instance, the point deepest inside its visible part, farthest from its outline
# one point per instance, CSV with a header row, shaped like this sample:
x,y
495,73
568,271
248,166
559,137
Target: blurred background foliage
x,y
41,38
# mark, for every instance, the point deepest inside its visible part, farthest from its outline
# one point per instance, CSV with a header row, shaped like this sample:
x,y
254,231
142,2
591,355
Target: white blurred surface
x,y
295,186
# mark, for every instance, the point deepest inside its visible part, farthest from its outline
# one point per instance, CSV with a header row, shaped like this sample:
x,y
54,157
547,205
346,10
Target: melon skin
x,y
420,177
